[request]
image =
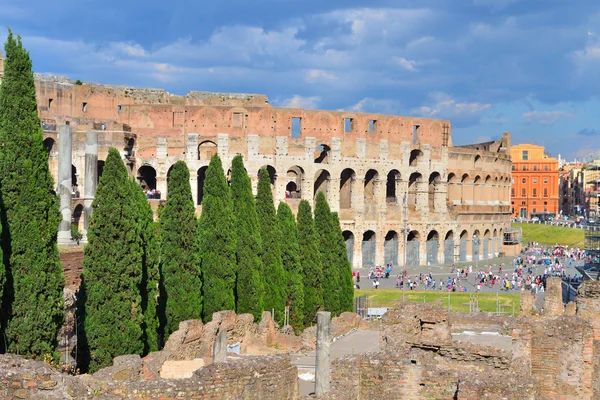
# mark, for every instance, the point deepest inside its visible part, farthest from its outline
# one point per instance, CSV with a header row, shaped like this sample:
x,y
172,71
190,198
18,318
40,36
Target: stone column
x,y
64,183
220,347
91,178
323,361
333,189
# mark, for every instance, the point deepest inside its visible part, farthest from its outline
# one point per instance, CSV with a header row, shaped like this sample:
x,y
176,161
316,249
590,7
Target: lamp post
x,y
476,242
405,230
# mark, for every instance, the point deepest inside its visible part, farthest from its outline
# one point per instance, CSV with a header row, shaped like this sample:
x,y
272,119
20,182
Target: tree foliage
x,y
180,257
32,302
343,269
217,242
249,284
290,255
311,263
274,275
112,275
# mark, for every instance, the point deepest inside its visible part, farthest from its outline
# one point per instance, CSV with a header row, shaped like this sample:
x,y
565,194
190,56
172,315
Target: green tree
x,y
148,231
180,257
32,303
217,242
311,263
274,275
342,267
249,288
290,255
324,227
112,312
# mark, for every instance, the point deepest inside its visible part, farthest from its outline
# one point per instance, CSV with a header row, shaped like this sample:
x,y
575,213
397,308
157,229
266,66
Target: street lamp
x,y
405,230
476,242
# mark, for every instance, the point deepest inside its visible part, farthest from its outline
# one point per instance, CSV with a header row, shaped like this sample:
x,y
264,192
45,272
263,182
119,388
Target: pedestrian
x,y
358,277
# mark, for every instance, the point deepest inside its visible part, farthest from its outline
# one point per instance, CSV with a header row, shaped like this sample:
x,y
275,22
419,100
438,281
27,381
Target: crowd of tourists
x,y
152,194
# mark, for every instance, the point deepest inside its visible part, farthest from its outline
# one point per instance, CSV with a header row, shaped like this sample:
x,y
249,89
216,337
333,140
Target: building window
x,y
545,180
524,167
545,168
512,192
535,167
534,180
524,180
534,210
514,167
523,192
84,107
534,192
545,203
545,192
525,155
534,203
522,203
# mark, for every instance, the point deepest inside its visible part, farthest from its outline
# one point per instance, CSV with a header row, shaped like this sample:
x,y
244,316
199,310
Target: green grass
x,y
551,235
459,302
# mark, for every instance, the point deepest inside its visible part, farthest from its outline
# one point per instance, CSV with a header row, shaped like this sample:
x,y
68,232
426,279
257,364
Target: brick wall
x,y
72,263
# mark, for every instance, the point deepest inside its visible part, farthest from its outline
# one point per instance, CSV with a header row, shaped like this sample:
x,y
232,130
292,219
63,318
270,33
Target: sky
x,y
529,67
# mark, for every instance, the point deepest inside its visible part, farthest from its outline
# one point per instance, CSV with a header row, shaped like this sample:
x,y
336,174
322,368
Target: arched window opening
x,y
449,247
272,175
434,181
322,154
201,174
146,176
321,182
432,246
391,188
370,181
415,157
413,183
347,180
129,148
390,246
413,248
206,150
477,161
293,188
464,238
368,249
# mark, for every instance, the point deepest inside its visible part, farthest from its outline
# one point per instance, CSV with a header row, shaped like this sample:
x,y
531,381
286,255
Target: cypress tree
x,y
32,304
290,255
342,267
180,261
310,261
148,231
112,312
217,242
248,288
325,229
274,275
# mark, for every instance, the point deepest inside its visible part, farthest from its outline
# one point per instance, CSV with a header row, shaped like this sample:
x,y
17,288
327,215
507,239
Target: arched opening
x,y
449,248
349,240
413,248
77,217
49,144
453,194
201,174
466,194
100,165
169,175
347,181
293,188
322,154
413,182
368,249
464,238
477,161
433,243
129,148
391,187
206,150
486,244
321,183
370,190
477,189
390,248
495,243
434,181
272,174
415,157
146,176
476,244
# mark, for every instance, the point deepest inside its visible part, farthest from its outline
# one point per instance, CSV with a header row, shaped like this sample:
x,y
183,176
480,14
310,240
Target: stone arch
x,y
201,174
272,174
50,146
477,161
146,176
476,245
370,184
413,236
322,154
413,248
390,248
415,156
206,150
454,189
349,240
414,181
392,188
129,147
477,189
449,247
464,240
368,249
347,189
100,165
432,247
293,187
77,217
435,179
322,178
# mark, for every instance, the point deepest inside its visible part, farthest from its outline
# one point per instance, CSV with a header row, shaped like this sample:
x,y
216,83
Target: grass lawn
x,y
458,301
551,235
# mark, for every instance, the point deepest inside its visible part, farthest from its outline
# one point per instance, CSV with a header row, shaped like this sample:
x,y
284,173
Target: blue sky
x,y
529,67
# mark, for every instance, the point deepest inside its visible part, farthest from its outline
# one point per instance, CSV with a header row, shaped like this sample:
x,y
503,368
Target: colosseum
x,y
404,193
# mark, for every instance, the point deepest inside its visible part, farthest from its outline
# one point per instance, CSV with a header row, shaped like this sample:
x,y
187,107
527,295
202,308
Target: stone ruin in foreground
x,y
555,355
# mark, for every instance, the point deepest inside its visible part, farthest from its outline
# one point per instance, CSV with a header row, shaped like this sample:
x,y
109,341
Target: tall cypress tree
x,y
32,304
343,269
112,312
311,263
248,288
274,275
290,255
148,231
324,228
180,258
217,242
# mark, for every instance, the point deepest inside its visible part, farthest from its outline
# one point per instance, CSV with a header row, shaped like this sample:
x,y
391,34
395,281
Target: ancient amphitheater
x,y
405,194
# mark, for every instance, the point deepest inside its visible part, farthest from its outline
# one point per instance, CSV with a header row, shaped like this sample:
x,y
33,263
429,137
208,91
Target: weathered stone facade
x,y
390,178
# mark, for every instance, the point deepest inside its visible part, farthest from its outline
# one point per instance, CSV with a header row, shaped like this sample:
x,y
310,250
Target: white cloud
x,y
298,101
409,65
445,106
546,117
313,75
379,106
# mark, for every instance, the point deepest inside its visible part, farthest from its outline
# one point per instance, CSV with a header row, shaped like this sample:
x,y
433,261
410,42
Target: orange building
x,y
535,181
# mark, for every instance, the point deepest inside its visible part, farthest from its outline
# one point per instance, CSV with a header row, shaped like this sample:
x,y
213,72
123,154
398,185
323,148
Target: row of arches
x,y
433,248
466,189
